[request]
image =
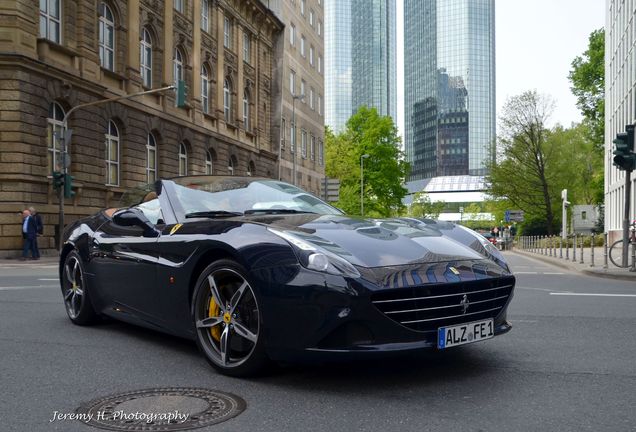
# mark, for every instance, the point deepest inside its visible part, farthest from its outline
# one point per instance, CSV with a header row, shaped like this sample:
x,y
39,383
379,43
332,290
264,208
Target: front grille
x,y
427,307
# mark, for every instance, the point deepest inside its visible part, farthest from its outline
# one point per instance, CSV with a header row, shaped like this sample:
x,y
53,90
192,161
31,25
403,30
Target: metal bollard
x,y
560,247
550,245
633,267
543,249
554,245
574,249
581,262
604,250
567,248
592,251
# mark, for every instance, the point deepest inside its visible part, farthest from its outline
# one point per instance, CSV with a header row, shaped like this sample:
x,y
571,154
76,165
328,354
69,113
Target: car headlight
x,y
316,258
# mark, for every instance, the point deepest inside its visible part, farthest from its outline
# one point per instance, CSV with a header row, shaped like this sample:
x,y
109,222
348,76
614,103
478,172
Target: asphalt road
x,y
569,364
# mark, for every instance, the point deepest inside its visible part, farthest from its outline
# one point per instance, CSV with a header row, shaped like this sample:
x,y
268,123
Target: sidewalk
x,y
585,268
42,262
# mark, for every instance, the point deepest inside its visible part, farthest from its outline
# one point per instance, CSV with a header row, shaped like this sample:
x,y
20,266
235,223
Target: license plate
x,y
464,333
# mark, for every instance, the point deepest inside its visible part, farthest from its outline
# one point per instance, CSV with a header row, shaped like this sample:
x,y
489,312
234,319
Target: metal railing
x,y
579,248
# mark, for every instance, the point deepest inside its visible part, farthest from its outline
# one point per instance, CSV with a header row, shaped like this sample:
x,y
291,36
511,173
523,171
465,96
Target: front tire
x,y
75,292
228,320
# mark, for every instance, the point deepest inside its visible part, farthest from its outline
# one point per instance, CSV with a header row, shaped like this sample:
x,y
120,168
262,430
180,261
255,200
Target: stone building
x,y
299,56
74,52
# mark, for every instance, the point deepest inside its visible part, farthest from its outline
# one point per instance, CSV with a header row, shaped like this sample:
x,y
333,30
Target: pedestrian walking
x,y
38,220
30,235
40,228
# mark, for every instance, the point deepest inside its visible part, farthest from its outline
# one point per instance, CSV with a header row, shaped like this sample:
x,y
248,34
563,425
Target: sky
x,y
536,41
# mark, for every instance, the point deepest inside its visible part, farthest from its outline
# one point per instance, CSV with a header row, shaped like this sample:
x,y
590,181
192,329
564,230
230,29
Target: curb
x,y
600,273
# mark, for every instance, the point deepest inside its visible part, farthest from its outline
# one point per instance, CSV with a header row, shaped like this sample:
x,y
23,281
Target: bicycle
x,y
616,250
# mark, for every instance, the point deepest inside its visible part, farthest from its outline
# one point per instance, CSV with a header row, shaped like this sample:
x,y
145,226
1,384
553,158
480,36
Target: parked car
x,y
256,270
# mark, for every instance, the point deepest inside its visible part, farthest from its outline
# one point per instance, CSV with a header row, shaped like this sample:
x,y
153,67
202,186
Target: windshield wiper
x,y
212,214
276,211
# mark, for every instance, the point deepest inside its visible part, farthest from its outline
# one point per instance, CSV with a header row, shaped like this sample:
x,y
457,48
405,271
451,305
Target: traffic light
x,y
181,94
58,179
624,156
68,186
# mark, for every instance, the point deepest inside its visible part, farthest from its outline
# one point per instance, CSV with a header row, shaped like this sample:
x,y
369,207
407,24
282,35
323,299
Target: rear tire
x,y
75,292
228,321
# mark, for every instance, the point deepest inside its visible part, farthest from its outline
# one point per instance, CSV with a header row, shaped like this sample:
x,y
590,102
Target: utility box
x,y
584,218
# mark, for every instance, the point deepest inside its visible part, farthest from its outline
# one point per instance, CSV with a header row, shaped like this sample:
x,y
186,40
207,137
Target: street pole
x,y
64,144
294,140
628,194
61,191
564,214
362,158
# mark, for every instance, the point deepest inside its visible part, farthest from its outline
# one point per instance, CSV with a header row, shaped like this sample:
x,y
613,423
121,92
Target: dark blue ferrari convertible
x,y
257,270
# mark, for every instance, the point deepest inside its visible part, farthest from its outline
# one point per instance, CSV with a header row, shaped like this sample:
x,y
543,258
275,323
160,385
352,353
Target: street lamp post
x,y
65,144
294,141
362,158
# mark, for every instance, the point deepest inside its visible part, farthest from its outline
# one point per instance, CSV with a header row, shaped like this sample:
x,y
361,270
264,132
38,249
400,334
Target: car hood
x,y
379,242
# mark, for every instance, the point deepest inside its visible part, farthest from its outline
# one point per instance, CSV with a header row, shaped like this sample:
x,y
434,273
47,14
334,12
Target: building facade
x,y
300,57
620,88
449,80
361,58
338,63
69,53
374,56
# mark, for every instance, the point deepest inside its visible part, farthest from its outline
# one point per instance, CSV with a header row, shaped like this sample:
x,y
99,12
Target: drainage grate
x,y
161,409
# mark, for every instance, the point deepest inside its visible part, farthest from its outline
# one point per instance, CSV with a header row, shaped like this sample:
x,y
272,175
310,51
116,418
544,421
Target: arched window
x,y
251,169
151,159
146,58
246,109
112,154
55,131
178,73
183,160
50,20
106,37
227,100
209,163
231,166
178,65
205,89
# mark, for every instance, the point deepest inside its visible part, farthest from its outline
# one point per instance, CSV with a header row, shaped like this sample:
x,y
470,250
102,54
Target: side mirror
x,y
135,217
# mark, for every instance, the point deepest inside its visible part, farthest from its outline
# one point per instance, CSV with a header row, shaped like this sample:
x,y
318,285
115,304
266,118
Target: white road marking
x,y
541,289
514,272
591,294
9,288
553,273
52,279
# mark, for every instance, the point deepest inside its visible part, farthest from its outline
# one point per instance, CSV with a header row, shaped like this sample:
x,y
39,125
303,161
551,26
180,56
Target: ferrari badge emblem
x,y
464,303
454,270
175,228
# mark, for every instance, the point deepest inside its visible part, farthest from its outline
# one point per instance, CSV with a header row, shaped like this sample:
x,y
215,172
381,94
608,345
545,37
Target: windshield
x,y
237,194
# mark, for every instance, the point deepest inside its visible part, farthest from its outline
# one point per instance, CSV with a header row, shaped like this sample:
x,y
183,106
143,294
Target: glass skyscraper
x,y
338,63
449,86
360,58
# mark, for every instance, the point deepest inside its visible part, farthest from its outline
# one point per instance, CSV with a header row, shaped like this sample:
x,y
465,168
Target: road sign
x,y
331,189
514,215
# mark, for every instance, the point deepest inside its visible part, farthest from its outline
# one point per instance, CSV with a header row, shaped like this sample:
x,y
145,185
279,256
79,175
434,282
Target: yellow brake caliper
x,y
214,311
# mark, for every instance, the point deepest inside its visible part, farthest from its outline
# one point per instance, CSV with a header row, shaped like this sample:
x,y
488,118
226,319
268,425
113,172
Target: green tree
x,y
579,164
524,172
369,133
422,207
587,77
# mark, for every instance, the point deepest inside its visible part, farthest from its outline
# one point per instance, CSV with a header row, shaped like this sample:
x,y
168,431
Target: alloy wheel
x,y
73,287
227,318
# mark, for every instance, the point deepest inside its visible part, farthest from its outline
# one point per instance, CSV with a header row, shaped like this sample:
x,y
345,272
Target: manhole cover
x,y
161,409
